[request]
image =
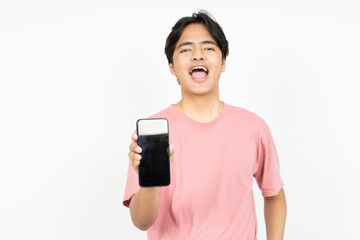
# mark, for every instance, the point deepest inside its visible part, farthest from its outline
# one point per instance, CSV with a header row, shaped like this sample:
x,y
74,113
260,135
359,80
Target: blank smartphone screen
x,y
153,138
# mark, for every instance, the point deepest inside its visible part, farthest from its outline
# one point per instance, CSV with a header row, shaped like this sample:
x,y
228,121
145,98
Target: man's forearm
x,y
144,207
275,216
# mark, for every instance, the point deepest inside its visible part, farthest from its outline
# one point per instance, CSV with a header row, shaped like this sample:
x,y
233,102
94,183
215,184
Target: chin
x,y
200,91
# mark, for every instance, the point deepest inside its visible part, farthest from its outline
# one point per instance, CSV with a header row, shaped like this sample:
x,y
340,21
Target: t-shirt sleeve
x,y
268,170
132,184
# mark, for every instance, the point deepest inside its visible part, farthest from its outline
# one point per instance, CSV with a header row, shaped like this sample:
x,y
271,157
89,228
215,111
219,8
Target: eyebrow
x,y
190,43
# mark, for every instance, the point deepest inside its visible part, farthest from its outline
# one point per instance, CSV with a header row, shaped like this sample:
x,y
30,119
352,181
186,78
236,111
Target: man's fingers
x,y
135,160
135,148
134,137
134,151
134,156
135,165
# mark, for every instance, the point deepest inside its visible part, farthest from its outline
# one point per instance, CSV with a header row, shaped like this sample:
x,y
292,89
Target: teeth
x,y
198,67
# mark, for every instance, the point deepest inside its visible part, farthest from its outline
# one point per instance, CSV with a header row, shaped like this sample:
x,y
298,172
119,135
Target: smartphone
x,y
153,138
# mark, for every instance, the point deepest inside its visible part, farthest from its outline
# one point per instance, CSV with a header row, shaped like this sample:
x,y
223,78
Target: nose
x,y
197,55
198,58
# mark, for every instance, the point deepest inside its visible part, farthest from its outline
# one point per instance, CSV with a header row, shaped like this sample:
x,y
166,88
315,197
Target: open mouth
x,y
199,72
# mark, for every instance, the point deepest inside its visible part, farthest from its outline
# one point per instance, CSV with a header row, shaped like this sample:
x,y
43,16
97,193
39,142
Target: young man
x,y
220,148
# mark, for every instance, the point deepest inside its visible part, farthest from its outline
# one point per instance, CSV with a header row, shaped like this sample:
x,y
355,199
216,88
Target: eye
x,y
184,50
210,49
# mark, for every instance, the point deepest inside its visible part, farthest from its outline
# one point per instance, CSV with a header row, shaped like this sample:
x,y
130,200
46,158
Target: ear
x,y
223,65
172,70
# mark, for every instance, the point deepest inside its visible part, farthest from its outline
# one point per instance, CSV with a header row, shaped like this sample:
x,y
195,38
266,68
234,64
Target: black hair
x,y
202,17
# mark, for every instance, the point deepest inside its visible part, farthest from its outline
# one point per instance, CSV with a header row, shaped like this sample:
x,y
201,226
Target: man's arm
x,y
144,207
275,216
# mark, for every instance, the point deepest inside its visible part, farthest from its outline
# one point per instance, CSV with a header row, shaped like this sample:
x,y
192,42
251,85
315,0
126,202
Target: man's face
x,y
197,61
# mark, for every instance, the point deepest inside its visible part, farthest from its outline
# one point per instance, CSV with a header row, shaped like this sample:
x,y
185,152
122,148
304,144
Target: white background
x,y
76,75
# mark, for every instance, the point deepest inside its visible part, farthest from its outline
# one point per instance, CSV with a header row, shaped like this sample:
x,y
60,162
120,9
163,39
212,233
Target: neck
x,y
201,108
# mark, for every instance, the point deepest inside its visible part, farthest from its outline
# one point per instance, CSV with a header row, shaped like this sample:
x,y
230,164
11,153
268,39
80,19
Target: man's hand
x,y
135,151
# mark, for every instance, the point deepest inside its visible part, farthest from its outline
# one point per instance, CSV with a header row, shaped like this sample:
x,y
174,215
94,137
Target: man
x,y
220,148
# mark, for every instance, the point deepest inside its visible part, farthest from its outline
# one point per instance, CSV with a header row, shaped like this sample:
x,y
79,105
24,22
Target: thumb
x,y
171,147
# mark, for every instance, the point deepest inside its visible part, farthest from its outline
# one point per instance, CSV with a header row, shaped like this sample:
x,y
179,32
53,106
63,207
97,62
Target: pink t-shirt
x,y
211,195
